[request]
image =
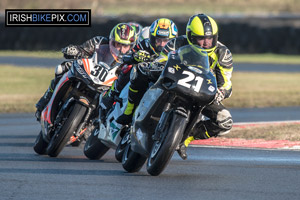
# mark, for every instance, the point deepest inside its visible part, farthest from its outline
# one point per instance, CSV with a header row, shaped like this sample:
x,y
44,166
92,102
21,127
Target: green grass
x,y
40,54
253,89
22,87
267,132
267,58
239,58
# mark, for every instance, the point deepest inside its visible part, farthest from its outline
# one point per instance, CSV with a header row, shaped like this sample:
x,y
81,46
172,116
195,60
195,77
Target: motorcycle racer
x,y
202,30
161,31
121,40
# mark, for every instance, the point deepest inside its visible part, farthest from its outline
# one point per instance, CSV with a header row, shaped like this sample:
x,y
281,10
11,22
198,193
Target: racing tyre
x,y
40,145
132,161
121,146
94,149
163,150
62,136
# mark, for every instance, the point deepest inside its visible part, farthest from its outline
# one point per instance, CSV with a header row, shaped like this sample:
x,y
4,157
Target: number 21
x,y
185,81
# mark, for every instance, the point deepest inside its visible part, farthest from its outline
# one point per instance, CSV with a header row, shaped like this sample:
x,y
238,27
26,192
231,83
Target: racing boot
x,y
126,117
133,100
182,147
107,102
199,132
41,104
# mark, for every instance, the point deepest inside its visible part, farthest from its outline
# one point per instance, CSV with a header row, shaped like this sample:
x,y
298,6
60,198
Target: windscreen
x,y
195,56
103,55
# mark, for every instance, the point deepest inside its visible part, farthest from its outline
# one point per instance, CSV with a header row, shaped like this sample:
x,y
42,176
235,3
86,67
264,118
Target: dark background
x,y
239,34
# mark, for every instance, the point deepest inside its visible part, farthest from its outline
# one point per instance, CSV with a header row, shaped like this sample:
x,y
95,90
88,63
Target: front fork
x,y
165,117
83,126
196,117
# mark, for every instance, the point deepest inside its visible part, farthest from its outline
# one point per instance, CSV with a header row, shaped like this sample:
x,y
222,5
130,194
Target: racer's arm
x,y
85,50
134,57
224,70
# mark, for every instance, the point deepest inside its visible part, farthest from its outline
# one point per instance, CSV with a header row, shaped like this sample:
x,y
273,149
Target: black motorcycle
x,y
169,110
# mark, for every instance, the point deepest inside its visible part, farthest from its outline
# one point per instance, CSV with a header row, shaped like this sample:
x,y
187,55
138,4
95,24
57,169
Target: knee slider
x,y
59,70
224,120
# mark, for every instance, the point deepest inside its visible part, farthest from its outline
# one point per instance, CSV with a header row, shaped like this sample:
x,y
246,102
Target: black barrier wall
x,y
240,34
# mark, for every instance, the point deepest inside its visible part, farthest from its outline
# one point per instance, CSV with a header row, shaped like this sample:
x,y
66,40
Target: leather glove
x,y
143,67
220,95
142,56
71,52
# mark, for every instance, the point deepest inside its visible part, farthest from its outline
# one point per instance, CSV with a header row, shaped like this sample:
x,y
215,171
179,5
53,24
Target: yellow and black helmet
x,y
162,28
202,26
124,34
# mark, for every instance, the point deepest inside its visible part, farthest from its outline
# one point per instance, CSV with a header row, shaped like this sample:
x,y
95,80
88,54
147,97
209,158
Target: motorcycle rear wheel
x,y
94,149
132,161
40,145
60,138
163,150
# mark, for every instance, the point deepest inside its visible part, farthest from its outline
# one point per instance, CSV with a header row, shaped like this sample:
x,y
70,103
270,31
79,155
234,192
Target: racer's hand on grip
x,y
71,52
144,68
220,95
142,56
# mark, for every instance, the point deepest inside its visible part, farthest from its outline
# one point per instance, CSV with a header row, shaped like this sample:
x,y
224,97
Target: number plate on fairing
x,y
101,74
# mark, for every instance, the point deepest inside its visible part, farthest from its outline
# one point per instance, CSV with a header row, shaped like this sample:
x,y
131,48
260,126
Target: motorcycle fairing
x,y
110,132
146,118
100,73
47,118
189,81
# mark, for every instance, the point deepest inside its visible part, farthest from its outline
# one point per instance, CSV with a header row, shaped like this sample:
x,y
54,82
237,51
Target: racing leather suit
x,y
139,80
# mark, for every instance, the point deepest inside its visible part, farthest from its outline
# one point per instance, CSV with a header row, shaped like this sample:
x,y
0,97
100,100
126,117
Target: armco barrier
x,y
240,34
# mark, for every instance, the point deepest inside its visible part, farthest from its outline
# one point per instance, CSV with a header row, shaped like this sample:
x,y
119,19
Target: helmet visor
x,y
206,42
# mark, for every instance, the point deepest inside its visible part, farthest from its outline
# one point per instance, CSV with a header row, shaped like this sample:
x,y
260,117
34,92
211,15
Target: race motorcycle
x,y
74,103
108,134
169,110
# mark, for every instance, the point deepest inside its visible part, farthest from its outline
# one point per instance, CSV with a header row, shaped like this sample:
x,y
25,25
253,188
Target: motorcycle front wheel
x,y
122,145
163,150
132,161
94,149
40,145
62,136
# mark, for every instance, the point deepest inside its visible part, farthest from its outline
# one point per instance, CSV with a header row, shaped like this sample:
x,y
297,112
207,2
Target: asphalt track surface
x,y
209,173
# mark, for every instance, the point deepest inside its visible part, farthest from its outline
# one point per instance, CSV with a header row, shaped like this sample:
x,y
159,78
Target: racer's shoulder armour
x,y
99,40
224,55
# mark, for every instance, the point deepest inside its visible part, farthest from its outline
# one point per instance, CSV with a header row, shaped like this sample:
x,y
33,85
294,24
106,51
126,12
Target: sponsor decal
x,y
211,88
163,32
171,70
195,69
177,67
